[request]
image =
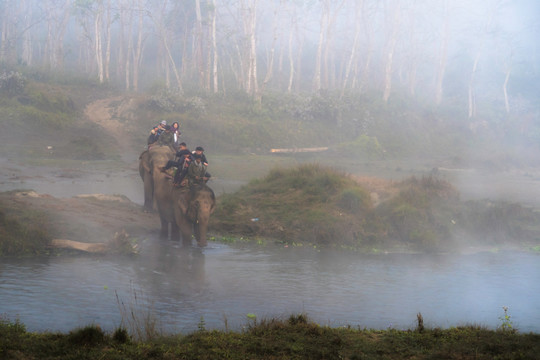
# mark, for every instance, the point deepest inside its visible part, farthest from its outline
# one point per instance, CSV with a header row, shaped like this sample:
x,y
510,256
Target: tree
x,y
393,22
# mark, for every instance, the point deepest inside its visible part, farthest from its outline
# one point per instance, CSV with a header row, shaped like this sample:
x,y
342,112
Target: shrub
x,y
354,200
24,234
12,83
89,335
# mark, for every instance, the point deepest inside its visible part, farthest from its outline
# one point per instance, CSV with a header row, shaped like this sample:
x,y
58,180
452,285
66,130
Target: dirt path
x,y
114,115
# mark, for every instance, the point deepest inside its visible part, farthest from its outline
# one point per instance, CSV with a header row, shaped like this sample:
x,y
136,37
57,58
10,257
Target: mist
x,y
470,68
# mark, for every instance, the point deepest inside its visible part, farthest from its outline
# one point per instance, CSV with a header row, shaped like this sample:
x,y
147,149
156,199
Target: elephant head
x,y
157,187
193,209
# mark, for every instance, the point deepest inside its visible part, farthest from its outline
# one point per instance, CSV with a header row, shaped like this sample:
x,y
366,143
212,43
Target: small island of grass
x,y
324,207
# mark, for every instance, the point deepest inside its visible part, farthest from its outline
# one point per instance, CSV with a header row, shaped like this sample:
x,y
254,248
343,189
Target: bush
x,y
12,83
24,234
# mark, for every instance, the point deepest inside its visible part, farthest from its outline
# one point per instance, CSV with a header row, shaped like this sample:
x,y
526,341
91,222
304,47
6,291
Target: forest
x,y
469,55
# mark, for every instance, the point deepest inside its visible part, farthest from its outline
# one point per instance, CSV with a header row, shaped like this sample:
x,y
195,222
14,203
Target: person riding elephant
x,y
197,171
187,210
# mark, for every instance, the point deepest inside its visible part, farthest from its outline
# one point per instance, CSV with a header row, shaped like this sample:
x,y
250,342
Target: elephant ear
x,y
182,202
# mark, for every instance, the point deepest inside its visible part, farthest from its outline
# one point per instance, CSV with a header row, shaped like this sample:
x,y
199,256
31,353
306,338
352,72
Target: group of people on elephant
x,y
175,185
189,167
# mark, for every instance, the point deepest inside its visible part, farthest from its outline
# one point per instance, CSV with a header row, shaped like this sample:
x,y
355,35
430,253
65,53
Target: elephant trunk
x,y
201,227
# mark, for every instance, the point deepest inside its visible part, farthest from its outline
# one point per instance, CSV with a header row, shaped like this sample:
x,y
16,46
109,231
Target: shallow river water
x,y
222,284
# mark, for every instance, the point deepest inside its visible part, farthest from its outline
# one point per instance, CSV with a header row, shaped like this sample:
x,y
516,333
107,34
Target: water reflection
x,y
182,286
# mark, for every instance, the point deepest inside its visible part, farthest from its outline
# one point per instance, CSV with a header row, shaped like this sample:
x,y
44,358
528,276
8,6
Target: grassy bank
x,y
323,207
293,338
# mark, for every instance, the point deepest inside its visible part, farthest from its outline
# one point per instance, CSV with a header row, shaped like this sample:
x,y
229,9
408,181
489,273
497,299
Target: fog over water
x,y
472,47
222,284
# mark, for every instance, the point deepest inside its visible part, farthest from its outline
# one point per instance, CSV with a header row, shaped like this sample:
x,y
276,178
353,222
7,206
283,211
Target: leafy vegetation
x,y
293,338
312,204
23,232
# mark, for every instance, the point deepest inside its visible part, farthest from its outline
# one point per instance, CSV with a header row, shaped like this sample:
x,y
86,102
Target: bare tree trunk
x,y
472,79
368,31
443,54
250,21
270,66
27,38
318,57
291,62
163,31
198,47
352,57
137,55
213,15
129,51
98,41
506,78
108,41
390,53
328,70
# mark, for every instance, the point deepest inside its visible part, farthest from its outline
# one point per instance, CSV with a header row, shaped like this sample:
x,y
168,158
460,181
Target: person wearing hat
x,y
197,171
182,165
161,127
199,150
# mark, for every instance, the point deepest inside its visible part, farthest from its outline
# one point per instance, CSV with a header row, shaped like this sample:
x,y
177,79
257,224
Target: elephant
x,y
187,210
193,207
158,188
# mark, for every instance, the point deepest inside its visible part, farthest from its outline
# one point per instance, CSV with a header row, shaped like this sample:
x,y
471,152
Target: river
x,y
182,289
218,286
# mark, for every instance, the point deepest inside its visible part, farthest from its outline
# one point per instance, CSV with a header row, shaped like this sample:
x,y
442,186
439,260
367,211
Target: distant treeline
x,y
466,54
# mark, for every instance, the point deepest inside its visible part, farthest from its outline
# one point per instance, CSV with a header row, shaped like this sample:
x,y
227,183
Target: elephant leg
x,y
164,232
175,231
186,230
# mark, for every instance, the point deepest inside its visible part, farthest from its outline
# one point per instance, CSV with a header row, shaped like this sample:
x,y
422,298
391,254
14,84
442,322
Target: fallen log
x,y
99,248
119,244
293,150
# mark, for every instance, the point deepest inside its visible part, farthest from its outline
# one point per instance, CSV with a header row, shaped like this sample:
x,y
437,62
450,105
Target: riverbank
x,y
294,338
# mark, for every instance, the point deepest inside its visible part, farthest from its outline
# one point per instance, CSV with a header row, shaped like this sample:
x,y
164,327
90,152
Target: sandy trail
x,y
114,115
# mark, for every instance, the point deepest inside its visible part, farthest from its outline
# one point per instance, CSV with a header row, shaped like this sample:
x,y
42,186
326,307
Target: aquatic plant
x,y
506,322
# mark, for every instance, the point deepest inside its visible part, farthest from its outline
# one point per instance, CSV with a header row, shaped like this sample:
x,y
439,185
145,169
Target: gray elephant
x,y
193,207
158,188
186,210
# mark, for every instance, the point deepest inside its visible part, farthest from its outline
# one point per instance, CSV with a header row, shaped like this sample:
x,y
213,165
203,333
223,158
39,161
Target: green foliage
x,y
506,322
296,337
308,203
363,146
354,200
24,233
420,214
12,83
88,335
121,336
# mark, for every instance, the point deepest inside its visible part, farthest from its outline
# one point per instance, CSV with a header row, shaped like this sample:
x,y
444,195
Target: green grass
x,y
296,337
317,205
23,232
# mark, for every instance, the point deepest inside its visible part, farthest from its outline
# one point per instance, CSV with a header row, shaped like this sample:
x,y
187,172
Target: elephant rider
x,y
154,136
182,165
166,137
161,127
197,171
199,150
